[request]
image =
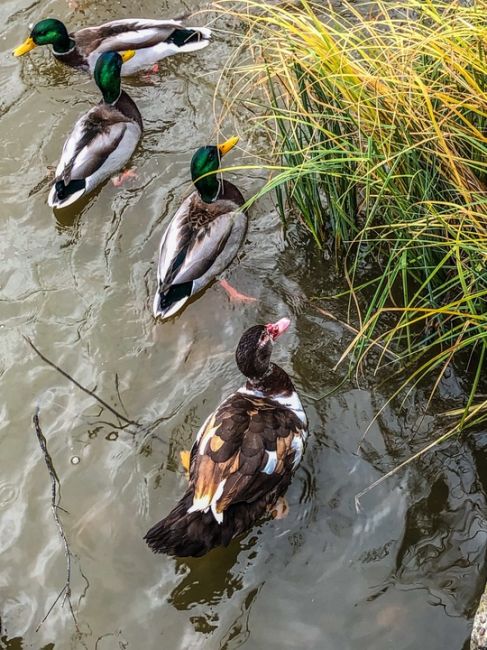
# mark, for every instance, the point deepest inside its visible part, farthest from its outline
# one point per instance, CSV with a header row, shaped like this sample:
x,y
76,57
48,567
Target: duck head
x,y
107,74
204,165
255,349
47,32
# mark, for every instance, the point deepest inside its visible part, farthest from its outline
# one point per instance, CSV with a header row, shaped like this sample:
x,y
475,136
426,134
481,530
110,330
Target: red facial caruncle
x,y
276,329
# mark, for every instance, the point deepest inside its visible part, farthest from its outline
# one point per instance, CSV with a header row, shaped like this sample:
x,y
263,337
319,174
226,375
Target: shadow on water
x,y
67,219
212,583
208,580
17,643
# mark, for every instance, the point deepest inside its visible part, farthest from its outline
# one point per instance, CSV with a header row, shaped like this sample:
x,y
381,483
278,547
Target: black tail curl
x,y
63,191
175,293
182,36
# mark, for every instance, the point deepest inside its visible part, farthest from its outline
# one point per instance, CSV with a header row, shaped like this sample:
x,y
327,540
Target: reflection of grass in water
x,y
379,128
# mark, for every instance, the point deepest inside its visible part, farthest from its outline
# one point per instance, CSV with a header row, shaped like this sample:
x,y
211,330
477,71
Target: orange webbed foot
x,y
119,180
150,72
234,295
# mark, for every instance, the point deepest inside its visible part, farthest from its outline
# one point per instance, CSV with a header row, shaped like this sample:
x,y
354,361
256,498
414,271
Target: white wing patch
x,y
297,446
203,504
219,491
206,432
206,422
252,393
209,433
200,505
293,403
271,463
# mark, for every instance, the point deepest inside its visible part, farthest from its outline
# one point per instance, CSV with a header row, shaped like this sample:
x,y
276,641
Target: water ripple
x,y
8,494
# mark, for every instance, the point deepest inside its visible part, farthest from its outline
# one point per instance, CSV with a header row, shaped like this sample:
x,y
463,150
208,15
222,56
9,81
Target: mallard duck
x,y
244,455
152,41
204,235
103,140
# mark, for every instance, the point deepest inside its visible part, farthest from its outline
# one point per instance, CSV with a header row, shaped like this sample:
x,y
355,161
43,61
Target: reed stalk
x,y
377,117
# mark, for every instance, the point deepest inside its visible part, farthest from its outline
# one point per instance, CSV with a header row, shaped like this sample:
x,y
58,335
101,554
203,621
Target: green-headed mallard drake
x,y
152,41
103,140
244,455
204,235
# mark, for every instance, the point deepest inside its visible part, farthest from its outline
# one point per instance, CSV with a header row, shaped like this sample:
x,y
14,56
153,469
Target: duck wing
x,y
152,40
124,34
198,244
246,451
101,143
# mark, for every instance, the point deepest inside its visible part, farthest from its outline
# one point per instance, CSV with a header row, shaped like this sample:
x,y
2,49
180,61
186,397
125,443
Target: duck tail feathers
x,y
62,195
187,534
169,302
205,32
172,535
190,39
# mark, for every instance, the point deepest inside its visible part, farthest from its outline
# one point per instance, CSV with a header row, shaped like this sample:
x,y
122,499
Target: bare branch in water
x,y
55,498
117,387
143,429
92,393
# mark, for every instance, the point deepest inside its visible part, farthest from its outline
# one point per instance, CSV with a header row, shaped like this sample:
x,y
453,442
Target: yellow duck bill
x,y
127,55
228,145
26,46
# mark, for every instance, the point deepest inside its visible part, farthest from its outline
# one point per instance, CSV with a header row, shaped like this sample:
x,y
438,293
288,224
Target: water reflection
x,y
445,533
17,643
209,581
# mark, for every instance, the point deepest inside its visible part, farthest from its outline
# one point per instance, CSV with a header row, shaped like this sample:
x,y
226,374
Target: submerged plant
x,y
378,116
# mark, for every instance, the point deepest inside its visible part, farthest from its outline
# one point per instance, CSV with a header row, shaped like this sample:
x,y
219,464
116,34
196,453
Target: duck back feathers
x,y
101,143
200,242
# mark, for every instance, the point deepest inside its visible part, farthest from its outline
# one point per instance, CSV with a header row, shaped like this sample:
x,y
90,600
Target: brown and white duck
x,y
244,455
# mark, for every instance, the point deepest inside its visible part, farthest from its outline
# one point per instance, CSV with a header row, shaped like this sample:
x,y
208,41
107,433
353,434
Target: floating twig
x,y
117,388
55,499
143,429
89,392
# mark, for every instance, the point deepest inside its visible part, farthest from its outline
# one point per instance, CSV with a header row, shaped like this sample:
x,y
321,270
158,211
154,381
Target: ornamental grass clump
x,y
378,116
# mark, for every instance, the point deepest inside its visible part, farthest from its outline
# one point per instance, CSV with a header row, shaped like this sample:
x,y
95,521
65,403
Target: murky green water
x,y
404,573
